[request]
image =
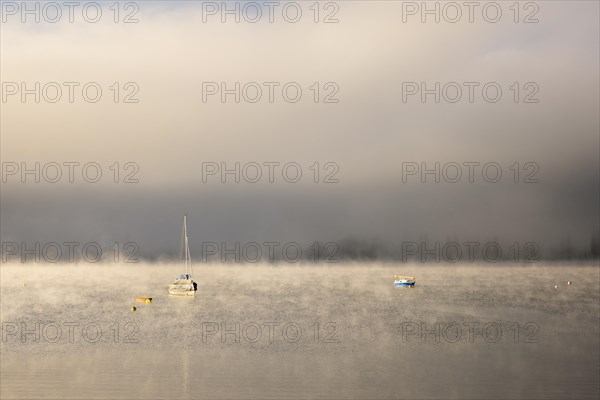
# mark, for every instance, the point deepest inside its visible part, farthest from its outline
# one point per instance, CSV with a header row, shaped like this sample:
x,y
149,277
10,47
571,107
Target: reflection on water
x,y
191,348
236,374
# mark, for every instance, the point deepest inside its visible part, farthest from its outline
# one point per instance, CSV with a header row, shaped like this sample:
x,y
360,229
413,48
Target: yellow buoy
x,y
133,308
148,300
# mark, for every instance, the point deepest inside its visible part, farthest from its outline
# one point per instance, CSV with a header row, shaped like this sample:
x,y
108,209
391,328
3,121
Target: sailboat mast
x,y
185,244
186,248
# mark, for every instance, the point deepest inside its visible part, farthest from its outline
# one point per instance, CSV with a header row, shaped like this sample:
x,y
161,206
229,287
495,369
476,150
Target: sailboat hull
x,y
180,293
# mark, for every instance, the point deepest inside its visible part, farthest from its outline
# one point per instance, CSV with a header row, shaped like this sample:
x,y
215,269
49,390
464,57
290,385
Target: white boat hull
x,y
182,293
183,288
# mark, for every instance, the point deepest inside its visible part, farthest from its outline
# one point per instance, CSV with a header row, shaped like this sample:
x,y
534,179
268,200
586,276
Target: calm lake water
x,y
260,332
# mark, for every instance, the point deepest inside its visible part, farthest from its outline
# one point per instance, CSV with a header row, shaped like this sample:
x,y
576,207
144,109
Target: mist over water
x,y
359,336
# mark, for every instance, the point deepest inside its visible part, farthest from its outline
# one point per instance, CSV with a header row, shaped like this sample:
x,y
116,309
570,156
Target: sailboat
x,y
184,284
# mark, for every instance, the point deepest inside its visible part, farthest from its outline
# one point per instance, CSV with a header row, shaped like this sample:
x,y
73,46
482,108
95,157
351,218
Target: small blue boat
x,y
404,281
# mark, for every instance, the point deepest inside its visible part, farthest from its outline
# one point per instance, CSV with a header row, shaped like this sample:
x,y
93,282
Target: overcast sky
x,y
366,58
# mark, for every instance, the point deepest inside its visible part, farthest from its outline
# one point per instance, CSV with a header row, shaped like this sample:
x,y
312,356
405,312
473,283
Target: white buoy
x,y
555,286
568,282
